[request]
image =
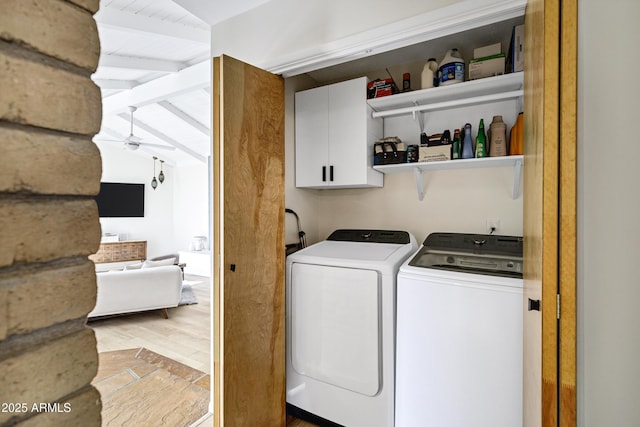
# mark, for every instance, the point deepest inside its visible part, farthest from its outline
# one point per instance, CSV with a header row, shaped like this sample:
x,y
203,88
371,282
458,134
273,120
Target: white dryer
x,y
340,296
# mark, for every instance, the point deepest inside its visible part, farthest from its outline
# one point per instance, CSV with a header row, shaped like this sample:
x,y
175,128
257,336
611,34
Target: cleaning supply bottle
x,y
481,141
406,82
445,139
455,149
429,76
516,145
451,68
467,144
498,138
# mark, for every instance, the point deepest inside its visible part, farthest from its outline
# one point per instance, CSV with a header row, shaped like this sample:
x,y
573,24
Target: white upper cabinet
x,y
312,136
335,133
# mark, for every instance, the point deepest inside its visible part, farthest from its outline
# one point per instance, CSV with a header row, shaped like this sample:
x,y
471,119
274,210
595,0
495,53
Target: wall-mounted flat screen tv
x,y
120,200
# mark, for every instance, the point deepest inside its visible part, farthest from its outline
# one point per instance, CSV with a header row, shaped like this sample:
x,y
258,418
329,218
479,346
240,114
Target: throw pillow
x,y
149,264
136,266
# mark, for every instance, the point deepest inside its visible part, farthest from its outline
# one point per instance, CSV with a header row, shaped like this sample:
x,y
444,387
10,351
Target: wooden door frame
x,y
567,256
550,208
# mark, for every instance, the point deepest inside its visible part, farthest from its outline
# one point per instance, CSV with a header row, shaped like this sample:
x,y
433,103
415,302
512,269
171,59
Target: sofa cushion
x,y
150,264
137,290
136,266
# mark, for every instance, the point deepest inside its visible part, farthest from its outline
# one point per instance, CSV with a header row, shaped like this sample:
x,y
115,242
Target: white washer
x,y
340,297
459,333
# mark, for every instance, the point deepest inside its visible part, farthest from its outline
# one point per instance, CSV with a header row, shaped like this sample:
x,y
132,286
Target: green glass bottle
x,y
481,141
456,148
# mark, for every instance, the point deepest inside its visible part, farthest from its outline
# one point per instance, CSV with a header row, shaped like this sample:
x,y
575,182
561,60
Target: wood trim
x,y
550,209
541,211
568,211
550,217
218,246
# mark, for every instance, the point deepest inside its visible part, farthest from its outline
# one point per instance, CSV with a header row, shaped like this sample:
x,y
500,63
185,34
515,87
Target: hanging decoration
x,y
161,175
154,181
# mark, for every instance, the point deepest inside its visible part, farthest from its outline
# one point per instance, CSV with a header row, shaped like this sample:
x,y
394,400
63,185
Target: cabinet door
x,y
312,127
350,142
334,137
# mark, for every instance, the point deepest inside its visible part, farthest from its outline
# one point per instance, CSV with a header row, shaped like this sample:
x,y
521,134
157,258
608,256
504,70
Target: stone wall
x,y
49,169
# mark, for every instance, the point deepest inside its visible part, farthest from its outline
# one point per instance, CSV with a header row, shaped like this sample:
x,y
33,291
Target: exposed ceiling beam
x,y
116,84
161,136
125,21
137,63
185,117
195,77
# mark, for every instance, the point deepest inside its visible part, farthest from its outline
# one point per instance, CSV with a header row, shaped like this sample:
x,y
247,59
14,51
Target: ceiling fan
x,y
133,142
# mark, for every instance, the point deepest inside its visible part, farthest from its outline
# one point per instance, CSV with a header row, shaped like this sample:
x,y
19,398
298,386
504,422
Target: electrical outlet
x,y
493,225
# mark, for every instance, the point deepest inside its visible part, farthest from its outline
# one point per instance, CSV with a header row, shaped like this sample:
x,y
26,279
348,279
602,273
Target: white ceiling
x,y
155,55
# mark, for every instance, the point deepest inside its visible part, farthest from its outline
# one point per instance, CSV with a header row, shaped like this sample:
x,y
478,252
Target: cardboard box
x,y
515,59
486,67
379,88
490,50
434,154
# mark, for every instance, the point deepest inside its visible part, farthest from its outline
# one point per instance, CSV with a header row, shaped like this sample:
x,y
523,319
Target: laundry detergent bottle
x,y
429,76
498,138
451,68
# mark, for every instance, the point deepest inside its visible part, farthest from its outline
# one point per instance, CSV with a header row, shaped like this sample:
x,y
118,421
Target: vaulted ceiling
x,y
155,55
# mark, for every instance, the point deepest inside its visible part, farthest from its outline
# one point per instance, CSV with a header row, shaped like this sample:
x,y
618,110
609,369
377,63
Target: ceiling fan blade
x,y
165,147
133,142
107,140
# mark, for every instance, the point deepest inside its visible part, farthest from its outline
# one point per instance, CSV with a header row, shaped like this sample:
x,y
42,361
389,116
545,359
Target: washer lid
x,y
475,244
473,253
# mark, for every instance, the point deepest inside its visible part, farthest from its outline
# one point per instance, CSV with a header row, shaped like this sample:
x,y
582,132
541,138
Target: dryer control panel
x,y
371,236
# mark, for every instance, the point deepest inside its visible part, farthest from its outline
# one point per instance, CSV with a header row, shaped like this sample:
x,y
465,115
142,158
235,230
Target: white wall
x,y
455,201
190,204
174,212
608,214
286,28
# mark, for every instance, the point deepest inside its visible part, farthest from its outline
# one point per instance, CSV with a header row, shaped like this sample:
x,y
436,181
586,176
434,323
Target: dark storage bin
x,y
387,153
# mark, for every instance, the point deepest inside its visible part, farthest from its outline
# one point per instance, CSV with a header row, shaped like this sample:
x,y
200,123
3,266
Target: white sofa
x,y
138,289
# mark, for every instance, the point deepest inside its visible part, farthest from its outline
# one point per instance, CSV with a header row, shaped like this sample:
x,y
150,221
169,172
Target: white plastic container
x,y
451,68
429,76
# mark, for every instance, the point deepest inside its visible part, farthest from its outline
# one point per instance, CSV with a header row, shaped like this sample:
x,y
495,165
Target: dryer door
x,y
335,321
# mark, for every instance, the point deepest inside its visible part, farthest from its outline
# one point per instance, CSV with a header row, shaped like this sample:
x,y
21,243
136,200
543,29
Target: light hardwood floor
x,y
184,337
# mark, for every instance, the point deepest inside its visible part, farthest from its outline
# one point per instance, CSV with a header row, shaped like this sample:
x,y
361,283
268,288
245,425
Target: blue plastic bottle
x,y
451,68
467,144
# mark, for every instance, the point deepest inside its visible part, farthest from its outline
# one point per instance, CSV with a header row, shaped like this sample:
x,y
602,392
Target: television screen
x,y
120,200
